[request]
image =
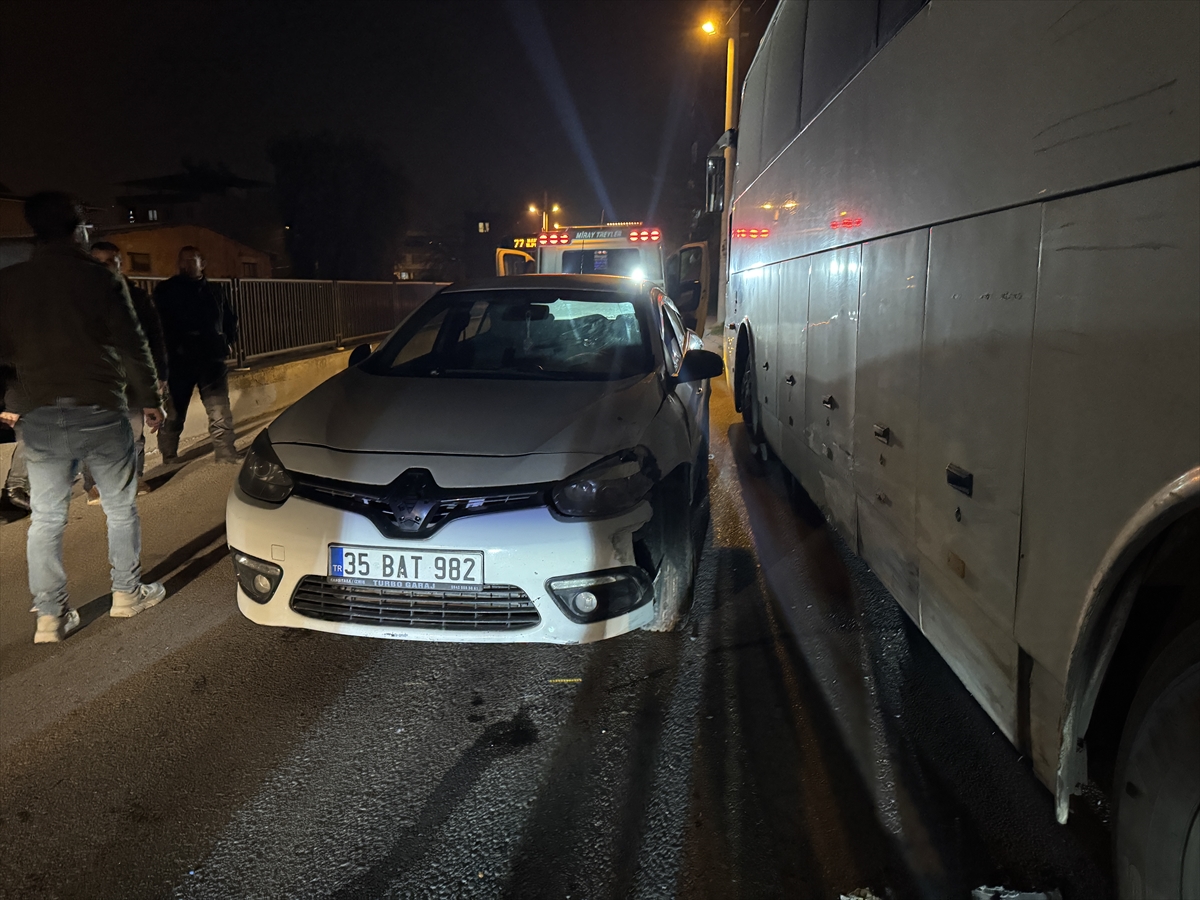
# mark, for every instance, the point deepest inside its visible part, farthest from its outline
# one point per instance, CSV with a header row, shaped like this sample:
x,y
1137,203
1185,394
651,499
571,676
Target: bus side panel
x,y
974,382
829,383
979,106
767,285
887,406
1115,393
793,360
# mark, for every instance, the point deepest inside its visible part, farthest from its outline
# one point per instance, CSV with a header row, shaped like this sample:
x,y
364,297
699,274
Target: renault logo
x,y
411,498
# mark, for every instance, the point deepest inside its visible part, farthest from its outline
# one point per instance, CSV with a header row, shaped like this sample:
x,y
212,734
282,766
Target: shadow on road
x,y
955,796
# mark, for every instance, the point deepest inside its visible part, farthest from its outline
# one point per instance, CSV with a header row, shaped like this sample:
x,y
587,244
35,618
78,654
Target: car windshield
x,y
531,334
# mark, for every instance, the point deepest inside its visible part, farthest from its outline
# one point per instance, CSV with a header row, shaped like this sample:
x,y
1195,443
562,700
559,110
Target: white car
x,y
524,459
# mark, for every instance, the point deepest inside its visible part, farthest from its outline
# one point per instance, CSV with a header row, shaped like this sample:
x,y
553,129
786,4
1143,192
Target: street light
x,y
731,29
545,211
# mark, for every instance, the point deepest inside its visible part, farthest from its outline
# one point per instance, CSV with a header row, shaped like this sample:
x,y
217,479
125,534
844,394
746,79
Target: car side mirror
x,y
358,355
699,365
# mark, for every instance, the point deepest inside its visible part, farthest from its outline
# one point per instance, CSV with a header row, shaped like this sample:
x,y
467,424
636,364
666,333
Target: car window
x,y
532,334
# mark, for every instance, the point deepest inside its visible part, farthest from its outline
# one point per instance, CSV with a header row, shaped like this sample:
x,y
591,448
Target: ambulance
x,y
618,248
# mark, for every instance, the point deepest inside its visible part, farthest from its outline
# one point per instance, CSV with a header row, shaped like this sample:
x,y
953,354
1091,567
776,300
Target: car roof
x,y
616,284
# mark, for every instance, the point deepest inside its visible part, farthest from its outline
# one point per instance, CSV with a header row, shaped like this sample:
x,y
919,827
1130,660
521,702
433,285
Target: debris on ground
x,y
860,894
1003,893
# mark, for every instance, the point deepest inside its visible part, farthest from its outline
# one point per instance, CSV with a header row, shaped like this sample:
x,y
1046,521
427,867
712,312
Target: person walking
x,y
69,332
109,255
200,326
16,482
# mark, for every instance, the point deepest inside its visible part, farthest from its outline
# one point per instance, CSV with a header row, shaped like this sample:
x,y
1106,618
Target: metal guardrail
x,y
286,315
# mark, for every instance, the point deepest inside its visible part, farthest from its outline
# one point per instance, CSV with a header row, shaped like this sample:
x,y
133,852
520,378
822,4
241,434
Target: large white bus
x,y
964,311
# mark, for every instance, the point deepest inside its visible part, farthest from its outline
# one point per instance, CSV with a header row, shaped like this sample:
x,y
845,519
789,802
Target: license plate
x,y
435,570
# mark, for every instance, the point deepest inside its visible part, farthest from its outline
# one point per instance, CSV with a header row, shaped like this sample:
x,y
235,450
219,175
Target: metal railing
x,y
285,315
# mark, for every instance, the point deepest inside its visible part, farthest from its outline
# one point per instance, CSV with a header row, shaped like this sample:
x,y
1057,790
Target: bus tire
x,y
1156,788
751,411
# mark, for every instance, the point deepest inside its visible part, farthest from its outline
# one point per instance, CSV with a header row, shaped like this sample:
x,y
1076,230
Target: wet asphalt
x,y
796,737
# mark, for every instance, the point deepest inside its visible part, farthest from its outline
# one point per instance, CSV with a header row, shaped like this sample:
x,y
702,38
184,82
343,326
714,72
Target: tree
x,y
343,204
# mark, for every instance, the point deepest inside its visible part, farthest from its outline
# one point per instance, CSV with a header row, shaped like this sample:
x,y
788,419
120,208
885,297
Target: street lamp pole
x,y
733,29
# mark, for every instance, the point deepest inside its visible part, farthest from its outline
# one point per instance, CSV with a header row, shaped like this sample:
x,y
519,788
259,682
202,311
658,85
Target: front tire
x,y
1157,785
677,568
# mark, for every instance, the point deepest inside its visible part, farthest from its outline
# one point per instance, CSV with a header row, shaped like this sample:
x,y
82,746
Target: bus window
x,y
785,65
894,15
625,261
839,41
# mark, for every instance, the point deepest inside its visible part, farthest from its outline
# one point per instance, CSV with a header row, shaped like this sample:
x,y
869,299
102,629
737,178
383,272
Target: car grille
x,y
421,513
493,608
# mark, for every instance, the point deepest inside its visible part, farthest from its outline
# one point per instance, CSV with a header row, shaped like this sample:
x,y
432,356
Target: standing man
x,y
200,326
109,255
16,483
68,330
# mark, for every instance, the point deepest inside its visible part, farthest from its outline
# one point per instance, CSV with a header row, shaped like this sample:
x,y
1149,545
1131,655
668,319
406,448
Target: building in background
x,y
236,209
152,250
428,256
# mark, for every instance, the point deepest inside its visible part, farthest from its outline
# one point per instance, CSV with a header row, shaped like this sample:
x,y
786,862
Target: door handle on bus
x,y
766,366
960,479
883,434
829,402
790,380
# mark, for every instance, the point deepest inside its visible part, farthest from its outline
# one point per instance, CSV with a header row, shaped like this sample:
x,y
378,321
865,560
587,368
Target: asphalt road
x,y
797,737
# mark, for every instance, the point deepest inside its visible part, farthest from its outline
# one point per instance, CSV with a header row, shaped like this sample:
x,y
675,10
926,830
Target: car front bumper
x,y
522,548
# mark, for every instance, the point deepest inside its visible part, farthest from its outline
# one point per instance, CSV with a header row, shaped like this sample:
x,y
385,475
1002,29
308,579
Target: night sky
x,y
99,92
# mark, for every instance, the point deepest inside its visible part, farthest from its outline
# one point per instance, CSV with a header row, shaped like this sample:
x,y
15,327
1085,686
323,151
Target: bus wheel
x,y
751,411
1156,790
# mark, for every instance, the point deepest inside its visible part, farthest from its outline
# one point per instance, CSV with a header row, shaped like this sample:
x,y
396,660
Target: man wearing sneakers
x,y
69,332
200,326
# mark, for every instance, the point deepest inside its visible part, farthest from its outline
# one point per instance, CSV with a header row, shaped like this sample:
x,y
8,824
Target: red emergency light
x,y
846,223
751,232
645,234
554,238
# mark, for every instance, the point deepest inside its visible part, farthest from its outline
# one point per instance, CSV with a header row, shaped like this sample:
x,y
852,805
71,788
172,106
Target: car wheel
x,y
677,569
1157,785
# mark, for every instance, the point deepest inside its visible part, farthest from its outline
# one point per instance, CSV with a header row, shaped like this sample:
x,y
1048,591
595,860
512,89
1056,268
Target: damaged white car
x,y
524,459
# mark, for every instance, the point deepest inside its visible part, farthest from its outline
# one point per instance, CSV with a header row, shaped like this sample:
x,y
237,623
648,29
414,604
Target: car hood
x,y
358,412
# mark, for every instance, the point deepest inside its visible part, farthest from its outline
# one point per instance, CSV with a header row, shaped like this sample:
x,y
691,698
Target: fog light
x,y
257,577
593,596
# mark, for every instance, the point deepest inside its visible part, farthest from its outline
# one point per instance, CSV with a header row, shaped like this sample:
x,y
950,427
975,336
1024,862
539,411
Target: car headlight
x,y
263,476
612,486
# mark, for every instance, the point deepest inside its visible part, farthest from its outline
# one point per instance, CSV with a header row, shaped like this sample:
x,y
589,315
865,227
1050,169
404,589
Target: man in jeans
x,y
68,330
200,326
109,254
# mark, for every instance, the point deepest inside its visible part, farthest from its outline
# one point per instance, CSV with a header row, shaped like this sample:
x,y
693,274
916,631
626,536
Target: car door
x,y
687,398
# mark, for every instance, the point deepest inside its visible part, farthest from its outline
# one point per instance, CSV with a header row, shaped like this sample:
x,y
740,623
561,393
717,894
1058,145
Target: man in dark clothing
x,y
16,483
200,326
69,332
109,255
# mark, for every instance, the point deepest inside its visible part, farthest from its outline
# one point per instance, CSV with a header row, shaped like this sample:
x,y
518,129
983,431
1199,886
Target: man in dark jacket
x,y
109,255
69,332
200,326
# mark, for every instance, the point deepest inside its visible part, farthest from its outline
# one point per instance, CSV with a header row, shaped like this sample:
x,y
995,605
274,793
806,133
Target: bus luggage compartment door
x,y
975,358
